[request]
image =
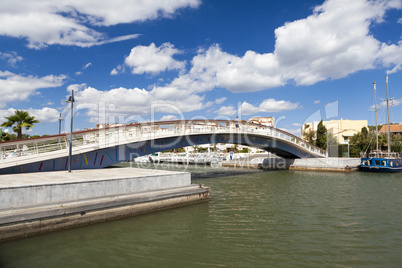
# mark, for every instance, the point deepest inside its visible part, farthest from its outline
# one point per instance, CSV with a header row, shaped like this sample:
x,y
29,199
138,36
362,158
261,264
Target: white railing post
x,y
138,132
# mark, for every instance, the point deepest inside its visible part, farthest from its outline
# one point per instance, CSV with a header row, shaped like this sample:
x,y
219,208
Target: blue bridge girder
x,y
103,147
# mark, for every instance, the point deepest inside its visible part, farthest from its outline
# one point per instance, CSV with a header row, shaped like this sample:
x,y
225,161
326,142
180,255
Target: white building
x,y
342,129
266,121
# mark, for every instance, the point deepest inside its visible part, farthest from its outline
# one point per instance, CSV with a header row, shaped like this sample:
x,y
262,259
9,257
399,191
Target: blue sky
x,y
134,61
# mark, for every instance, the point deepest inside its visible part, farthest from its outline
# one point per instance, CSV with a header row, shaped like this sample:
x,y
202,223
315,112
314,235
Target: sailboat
x,y
377,160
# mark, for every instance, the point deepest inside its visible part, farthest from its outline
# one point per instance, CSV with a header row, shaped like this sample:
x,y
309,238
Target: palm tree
x,y
19,120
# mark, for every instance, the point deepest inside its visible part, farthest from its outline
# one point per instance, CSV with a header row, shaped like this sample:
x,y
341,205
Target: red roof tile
x,y
392,128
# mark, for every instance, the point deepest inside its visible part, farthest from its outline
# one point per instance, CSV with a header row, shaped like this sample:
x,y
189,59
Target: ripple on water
x,y
278,218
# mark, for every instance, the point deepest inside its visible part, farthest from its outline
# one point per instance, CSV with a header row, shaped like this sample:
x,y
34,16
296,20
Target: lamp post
x,y
71,100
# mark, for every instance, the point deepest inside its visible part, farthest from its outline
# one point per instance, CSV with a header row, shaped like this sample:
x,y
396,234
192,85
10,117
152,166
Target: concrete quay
x,y
37,203
326,164
318,164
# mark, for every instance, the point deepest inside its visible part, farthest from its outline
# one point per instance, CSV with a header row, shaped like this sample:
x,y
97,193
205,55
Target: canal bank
x,y
37,203
326,164
283,218
308,164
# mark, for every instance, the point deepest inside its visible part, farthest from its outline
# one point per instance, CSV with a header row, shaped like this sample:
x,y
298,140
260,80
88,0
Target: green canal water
x,y
258,219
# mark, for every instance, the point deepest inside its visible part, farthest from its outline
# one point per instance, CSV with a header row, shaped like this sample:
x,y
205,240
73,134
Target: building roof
x,y
392,128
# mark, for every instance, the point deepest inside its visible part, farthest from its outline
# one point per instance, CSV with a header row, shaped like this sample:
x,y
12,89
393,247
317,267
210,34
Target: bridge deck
x,y
20,153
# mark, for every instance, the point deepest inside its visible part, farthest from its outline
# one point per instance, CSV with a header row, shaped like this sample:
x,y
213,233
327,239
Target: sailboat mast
x,y
389,139
375,110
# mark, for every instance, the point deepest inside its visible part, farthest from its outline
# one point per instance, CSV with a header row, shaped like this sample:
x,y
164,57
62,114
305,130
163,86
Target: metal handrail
x,y
112,136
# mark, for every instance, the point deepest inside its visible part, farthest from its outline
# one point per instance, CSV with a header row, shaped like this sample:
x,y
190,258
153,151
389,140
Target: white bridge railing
x,y
119,134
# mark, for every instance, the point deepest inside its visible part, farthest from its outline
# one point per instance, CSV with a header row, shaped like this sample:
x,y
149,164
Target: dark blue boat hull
x,y
381,165
379,169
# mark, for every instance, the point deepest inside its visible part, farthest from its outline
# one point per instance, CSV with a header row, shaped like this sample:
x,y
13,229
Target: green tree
x,y
356,145
19,120
4,136
364,132
202,149
366,141
244,150
382,141
321,140
310,137
181,150
234,148
372,128
13,136
361,142
332,145
332,141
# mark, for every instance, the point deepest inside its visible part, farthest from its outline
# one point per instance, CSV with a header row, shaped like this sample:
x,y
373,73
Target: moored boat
x,y
379,161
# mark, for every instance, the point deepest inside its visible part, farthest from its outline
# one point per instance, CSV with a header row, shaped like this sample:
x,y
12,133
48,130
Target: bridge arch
x,y
103,147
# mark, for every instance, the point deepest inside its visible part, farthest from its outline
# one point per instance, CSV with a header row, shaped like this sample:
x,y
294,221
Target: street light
x,y
71,100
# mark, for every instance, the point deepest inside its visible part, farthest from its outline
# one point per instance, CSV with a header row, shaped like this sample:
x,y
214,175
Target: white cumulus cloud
x,y
127,102
267,106
15,87
152,59
251,72
383,104
87,65
331,43
247,109
44,115
226,111
11,57
391,57
117,70
220,100
168,117
73,22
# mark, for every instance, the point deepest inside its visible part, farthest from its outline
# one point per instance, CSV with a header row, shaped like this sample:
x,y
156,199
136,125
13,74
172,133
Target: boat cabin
x,y
381,161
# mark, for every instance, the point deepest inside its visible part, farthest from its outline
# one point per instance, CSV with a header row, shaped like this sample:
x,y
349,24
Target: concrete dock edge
x,y
47,219
326,164
307,164
34,218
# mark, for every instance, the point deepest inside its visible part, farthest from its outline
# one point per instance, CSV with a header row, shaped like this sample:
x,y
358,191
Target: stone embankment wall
x,y
38,203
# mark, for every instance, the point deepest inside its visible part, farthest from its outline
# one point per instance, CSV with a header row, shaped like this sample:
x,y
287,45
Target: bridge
x,y
109,145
